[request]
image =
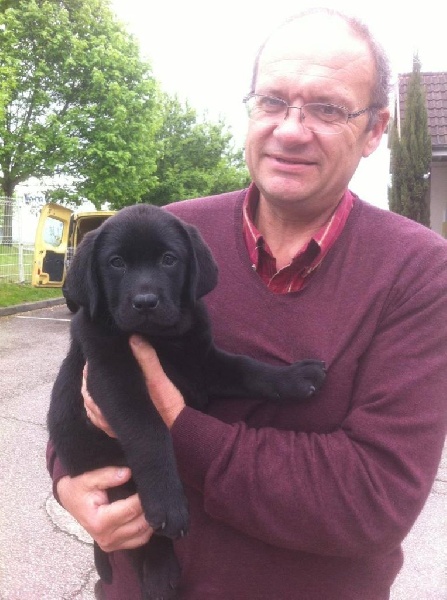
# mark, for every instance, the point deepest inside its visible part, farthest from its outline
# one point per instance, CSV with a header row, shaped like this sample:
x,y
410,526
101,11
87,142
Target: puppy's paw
x,y
160,571
176,521
167,512
102,564
300,380
160,583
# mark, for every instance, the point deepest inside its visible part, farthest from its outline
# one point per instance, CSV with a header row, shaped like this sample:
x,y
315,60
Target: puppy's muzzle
x,y
144,303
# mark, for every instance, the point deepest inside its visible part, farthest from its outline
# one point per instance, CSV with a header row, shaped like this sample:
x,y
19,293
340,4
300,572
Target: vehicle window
x,y
53,230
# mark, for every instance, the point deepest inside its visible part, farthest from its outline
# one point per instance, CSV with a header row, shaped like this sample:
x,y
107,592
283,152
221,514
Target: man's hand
x,y
165,396
93,411
117,526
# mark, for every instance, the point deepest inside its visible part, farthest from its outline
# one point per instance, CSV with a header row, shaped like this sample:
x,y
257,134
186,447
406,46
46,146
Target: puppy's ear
x,y
81,283
203,268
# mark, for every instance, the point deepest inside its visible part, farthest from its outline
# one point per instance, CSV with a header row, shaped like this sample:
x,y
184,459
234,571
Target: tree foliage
x,y
411,155
195,157
78,106
75,101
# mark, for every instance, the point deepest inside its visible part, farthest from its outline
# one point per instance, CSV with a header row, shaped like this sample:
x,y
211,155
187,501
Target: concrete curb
x,y
18,308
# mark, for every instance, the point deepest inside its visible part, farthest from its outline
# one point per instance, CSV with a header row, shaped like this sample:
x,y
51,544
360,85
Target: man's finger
x,y
128,527
166,397
94,414
147,359
124,511
106,477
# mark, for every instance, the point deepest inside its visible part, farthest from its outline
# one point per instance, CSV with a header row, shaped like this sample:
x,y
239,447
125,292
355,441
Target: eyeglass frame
x,y
349,115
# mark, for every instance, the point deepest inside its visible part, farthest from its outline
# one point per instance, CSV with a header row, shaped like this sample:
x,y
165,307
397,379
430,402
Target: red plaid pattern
x,y
292,277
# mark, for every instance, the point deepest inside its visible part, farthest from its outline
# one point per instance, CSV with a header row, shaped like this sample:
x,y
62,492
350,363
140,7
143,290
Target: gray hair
x,y
382,86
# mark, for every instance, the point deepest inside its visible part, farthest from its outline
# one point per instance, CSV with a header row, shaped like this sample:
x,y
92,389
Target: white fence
x,y
18,224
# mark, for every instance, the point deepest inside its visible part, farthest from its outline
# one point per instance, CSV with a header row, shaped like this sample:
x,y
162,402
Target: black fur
x,y
144,271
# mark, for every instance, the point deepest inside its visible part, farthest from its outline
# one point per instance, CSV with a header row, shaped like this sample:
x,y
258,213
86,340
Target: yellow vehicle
x,y
59,232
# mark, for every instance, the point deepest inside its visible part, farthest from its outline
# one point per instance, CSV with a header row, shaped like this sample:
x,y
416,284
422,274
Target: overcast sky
x,y
204,51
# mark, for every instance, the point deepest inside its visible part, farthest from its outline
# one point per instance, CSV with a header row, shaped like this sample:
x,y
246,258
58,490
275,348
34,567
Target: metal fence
x,y
18,224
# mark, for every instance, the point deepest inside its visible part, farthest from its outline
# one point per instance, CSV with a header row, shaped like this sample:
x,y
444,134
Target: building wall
x,y
438,205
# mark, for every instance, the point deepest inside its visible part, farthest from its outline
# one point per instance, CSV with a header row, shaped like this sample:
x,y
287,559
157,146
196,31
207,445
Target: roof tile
x,y
436,96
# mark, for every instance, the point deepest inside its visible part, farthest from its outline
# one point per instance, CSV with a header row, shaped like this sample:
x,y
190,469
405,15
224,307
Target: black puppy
x,y
144,271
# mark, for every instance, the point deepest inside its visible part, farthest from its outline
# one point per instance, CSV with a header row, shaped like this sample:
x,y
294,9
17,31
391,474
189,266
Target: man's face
x,y
314,59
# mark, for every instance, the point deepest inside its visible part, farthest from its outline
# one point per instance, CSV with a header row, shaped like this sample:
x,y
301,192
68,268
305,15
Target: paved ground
x,y
44,555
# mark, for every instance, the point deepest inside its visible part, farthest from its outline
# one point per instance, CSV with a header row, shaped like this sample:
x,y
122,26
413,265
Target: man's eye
x,y
270,104
117,262
327,112
168,259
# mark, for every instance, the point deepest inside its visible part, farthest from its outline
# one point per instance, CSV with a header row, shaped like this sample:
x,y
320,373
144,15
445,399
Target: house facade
x,y
435,85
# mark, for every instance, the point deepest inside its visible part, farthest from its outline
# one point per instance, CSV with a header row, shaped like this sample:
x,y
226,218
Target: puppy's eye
x,y
168,259
117,262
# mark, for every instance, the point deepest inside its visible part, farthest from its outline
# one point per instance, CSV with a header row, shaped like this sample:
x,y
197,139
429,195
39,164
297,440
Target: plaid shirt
x,y
292,277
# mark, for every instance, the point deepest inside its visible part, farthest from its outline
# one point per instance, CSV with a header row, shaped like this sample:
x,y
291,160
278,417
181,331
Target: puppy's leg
x,y
102,564
235,375
80,446
157,568
68,424
119,390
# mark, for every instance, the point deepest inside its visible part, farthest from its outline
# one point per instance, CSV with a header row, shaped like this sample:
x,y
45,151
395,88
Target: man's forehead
x,y
317,36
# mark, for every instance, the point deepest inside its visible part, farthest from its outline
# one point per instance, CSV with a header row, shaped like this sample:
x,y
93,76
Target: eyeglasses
x,y
327,119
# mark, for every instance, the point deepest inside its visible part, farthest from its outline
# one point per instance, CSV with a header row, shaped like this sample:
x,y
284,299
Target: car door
x,y
51,246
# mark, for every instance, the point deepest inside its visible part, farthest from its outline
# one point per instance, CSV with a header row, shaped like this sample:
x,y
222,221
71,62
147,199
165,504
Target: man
x,y
307,500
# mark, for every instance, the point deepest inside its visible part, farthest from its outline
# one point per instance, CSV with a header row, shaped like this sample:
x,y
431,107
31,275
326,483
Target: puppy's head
x,y
144,269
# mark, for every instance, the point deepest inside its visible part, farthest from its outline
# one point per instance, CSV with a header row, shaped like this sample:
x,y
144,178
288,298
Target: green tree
x,y
411,155
76,101
195,157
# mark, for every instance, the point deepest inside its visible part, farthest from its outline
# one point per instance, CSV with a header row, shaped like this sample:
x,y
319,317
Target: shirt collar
x,y
309,257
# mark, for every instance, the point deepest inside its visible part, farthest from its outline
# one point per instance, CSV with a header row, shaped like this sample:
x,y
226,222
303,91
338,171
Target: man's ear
x,y
376,132
81,283
202,267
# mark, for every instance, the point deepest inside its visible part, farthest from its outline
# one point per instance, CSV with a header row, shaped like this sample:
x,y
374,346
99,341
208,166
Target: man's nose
x,y
293,124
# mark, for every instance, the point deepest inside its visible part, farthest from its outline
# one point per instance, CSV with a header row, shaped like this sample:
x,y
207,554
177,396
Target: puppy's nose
x,y
145,302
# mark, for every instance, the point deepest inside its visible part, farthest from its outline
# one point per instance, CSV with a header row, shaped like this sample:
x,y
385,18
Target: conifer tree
x,y
411,155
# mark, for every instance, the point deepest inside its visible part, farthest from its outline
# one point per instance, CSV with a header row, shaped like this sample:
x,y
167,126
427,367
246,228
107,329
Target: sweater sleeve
x,y
55,468
358,489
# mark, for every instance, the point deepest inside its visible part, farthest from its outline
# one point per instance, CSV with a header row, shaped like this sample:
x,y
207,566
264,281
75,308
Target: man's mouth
x,y
293,161
288,161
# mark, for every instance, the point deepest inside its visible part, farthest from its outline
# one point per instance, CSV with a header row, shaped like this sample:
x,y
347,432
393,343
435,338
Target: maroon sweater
x,y
311,500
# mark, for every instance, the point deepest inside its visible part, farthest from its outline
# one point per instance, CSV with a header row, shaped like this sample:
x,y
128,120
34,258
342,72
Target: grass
x,y
18,293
